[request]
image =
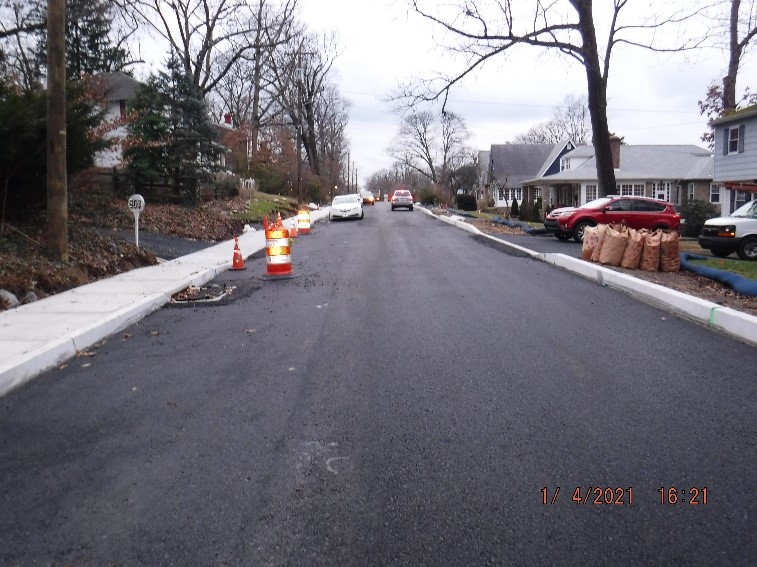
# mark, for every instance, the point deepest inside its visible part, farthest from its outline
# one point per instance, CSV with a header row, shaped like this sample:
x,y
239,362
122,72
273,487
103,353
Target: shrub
x,y
514,213
430,196
696,212
525,210
536,211
465,202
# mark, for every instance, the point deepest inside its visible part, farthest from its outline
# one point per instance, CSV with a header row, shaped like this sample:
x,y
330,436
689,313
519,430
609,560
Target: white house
x,y
118,89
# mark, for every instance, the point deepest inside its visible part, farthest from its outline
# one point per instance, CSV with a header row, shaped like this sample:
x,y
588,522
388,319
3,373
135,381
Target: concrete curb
x,y
734,323
39,336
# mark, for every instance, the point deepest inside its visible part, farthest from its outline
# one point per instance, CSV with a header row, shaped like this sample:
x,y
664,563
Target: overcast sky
x,y
652,97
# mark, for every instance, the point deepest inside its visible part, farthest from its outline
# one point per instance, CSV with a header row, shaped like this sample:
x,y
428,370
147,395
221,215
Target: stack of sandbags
x,y
613,246
670,257
591,238
632,253
650,255
617,245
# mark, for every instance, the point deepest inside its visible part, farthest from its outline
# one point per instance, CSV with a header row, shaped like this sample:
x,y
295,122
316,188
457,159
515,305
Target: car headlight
x,y
727,231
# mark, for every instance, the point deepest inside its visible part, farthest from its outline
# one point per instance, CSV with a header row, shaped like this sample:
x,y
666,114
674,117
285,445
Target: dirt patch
x,y
25,265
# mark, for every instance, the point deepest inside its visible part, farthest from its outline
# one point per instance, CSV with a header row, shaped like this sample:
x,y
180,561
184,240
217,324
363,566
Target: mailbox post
x,y
136,206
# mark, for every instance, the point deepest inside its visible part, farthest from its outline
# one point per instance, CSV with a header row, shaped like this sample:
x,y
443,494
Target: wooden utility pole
x,y
57,192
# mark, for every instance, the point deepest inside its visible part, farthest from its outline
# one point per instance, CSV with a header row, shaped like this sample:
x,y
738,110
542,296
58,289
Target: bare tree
x,y
198,31
332,113
431,145
415,145
300,75
21,17
22,25
569,122
486,29
740,28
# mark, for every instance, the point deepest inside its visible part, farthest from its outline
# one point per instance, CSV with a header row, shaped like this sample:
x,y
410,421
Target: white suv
x,y
734,233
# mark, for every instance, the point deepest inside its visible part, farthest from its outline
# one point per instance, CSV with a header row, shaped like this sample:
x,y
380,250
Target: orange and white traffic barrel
x,y
278,255
303,221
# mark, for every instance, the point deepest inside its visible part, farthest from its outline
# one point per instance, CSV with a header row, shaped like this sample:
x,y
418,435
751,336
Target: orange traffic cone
x,y
293,229
237,262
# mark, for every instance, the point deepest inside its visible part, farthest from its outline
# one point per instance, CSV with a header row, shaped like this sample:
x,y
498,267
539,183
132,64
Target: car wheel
x,y
578,230
362,215
721,253
410,209
747,249
562,235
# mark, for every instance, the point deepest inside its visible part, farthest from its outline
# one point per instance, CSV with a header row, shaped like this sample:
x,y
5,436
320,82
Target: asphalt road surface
x,y
412,397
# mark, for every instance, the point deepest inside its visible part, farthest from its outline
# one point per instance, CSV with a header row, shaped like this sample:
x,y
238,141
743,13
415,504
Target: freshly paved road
x,y
403,401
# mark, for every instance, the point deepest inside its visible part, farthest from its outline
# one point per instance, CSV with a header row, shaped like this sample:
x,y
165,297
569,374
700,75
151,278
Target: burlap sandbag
x,y
589,243
601,230
632,254
613,247
670,259
650,255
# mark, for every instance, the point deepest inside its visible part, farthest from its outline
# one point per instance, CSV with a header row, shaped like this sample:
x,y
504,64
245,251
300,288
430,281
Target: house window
x,y
734,140
714,193
502,194
537,193
741,199
564,164
690,192
626,189
519,194
591,192
661,190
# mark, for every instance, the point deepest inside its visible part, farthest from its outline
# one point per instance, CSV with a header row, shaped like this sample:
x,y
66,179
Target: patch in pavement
x,y
212,295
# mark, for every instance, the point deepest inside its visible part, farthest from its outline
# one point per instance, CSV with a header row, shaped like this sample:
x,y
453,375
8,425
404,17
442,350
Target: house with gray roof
x,y
511,165
736,158
673,173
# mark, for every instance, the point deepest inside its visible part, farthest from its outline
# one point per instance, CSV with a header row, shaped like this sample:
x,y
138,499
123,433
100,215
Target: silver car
x,y
346,207
402,198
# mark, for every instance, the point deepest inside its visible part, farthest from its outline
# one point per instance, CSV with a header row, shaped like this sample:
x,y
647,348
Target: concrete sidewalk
x,y
41,335
735,323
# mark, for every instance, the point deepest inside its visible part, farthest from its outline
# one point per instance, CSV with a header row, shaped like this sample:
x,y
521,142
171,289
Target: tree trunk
x,y
57,196
597,95
734,56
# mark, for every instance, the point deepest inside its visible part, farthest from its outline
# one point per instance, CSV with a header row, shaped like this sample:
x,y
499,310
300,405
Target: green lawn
x,y
263,204
741,267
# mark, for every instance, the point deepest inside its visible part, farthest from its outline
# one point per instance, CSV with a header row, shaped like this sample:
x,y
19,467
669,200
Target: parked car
x,y
346,207
402,198
634,212
735,233
368,198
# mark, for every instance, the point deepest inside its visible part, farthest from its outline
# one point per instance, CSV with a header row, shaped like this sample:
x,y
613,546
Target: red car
x,y
634,212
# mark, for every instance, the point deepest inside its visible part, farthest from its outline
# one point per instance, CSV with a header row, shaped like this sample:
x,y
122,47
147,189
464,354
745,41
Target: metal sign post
x,y
136,206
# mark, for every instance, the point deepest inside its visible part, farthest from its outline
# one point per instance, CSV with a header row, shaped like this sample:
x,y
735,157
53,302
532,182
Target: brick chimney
x,y
615,142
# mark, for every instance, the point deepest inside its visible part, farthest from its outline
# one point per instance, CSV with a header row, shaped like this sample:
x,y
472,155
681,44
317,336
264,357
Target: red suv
x,y
634,212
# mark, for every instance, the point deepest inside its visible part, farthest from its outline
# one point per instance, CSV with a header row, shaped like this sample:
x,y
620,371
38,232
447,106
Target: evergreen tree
x,y
536,211
89,47
172,136
23,139
514,209
524,213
